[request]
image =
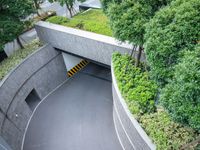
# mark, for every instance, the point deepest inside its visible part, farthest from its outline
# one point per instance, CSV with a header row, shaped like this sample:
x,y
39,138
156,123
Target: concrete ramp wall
x,y
89,45
42,71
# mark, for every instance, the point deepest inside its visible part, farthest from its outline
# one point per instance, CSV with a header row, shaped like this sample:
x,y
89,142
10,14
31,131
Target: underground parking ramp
x,y
76,116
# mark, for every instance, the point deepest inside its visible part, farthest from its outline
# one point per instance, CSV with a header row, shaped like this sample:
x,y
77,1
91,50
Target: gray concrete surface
x,y
4,145
129,131
42,71
82,43
71,61
90,4
77,116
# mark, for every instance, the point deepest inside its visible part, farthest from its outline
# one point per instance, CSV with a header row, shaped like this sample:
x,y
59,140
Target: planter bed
x,y
164,132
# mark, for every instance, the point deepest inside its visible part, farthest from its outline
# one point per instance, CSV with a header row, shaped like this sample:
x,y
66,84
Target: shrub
x,y
171,30
166,134
93,20
134,83
128,20
181,97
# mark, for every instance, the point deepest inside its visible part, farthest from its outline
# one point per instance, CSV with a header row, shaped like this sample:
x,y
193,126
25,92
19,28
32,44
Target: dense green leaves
x,y
171,30
105,4
135,85
181,97
166,134
128,18
12,14
127,21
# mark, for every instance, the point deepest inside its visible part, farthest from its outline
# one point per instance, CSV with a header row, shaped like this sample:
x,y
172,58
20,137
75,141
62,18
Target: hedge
x,y
169,32
181,97
135,85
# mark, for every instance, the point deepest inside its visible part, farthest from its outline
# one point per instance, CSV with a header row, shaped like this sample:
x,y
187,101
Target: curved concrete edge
x,y
40,72
130,133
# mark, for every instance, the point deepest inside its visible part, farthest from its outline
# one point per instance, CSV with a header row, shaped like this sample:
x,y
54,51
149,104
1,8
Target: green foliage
x,y
181,97
166,134
11,14
8,64
134,84
58,20
105,4
129,18
170,31
93,20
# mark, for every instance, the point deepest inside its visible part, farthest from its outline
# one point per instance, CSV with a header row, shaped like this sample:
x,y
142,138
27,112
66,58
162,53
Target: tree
x,y
128,20
181,95
11,23
69,4
105,4
168,33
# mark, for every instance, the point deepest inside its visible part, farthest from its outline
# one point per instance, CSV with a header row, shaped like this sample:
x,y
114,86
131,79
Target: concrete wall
x,y
43,71
85,44
130,133
70,60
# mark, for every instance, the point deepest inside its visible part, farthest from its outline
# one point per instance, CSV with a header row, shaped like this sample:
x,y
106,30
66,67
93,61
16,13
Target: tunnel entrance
x,y
32,99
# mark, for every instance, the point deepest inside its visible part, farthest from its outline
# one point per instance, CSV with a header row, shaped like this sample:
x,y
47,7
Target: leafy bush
x,y
181,97
166,134
93,20
8,64
139,92
171,30
134,83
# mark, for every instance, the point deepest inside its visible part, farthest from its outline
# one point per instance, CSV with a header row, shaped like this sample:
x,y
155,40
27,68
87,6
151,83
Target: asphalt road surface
x,y
77,116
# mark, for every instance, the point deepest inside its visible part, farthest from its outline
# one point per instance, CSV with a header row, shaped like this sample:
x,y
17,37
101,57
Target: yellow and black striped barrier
x,y
76,68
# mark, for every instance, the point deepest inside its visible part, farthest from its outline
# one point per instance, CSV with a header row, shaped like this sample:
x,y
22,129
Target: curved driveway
x,y
77,116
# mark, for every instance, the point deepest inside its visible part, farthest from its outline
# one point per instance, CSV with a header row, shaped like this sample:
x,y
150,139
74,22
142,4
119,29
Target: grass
x,y
17,57
93,20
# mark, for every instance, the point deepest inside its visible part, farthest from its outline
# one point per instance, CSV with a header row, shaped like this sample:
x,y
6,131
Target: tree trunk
x,y
20,43
69,9
37,6
134,48
137,62
70,12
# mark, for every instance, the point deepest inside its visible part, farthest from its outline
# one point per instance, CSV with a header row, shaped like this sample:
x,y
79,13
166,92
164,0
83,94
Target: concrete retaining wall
x,y
42,71
130,133
85,44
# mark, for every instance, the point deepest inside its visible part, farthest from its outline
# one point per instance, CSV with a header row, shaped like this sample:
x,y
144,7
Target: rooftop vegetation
x,y
18,56
93,20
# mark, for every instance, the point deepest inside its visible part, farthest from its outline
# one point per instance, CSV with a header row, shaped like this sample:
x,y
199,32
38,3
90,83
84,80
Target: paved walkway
x,y
77,116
